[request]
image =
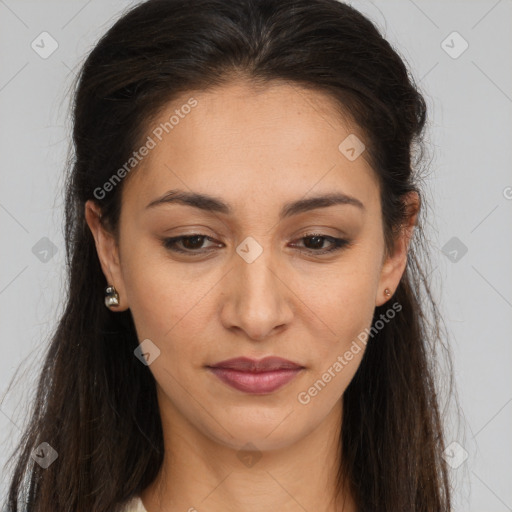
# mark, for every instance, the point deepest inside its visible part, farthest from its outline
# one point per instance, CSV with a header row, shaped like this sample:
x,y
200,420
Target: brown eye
x,y
194,244
189,244
315,243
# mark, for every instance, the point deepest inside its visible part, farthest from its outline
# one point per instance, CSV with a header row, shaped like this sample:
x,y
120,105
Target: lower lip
x,y
255,382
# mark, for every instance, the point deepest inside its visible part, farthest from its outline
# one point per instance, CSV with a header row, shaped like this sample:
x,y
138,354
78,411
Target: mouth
x,y
256,376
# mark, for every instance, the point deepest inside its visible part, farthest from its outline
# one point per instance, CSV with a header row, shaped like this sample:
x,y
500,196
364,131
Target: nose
x,y
257,300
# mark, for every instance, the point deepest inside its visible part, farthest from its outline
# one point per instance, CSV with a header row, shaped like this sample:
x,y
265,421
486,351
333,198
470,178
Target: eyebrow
x,y
214,204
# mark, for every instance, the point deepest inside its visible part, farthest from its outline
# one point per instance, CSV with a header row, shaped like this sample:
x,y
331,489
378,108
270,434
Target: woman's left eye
x,y
193,244
319,239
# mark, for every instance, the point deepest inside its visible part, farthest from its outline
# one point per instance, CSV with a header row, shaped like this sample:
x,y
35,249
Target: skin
x,y
256,149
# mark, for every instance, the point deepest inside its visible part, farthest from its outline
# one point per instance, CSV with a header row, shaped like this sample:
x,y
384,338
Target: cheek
x,y
158,297
337,358
168,306
343,299
347,310
346,304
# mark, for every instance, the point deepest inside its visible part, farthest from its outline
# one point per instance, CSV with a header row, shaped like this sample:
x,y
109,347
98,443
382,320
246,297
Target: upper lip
x,y
267,364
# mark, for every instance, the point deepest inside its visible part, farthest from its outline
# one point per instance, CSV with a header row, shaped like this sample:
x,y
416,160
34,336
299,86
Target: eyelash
x,y
338,244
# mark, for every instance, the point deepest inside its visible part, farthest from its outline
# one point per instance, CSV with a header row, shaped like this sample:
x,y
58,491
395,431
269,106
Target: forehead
x,y
264,144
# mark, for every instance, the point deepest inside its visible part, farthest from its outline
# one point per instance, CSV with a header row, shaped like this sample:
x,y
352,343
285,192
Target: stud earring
x,y
111,297
387,292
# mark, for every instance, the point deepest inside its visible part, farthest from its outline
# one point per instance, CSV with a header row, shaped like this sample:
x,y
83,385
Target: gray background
x,y
470,103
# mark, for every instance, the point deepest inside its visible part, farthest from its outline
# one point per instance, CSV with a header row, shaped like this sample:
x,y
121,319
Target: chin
x,y
264,431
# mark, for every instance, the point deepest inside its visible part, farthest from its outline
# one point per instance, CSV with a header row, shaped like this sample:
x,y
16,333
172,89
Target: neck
x,y
200,474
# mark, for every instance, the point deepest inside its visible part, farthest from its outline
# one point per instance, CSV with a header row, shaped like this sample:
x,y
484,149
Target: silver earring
x,y
111,297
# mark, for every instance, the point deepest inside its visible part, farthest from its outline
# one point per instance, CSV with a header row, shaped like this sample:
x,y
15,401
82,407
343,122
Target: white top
x,y
135,505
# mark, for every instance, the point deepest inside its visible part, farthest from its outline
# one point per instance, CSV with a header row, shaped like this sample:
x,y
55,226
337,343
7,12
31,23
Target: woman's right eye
x,y
189,243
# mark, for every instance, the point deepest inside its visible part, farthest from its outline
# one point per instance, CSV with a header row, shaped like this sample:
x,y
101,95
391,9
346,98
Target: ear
x,y
108,252
394,264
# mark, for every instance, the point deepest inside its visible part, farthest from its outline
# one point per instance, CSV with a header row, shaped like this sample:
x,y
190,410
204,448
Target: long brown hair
x,y
96,404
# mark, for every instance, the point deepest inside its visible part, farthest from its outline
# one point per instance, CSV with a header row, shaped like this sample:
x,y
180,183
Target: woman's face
x,y
251,284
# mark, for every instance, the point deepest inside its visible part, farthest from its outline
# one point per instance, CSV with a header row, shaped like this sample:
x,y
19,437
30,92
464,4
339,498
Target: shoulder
x,y
134,505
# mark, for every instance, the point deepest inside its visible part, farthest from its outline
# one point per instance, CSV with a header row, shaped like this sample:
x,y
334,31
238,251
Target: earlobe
x,y
108,255
390,276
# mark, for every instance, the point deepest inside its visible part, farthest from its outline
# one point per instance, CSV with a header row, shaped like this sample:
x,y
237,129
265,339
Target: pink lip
x,y
256,377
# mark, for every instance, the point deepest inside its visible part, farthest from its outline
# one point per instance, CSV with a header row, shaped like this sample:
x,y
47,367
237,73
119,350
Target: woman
x,y
247,316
